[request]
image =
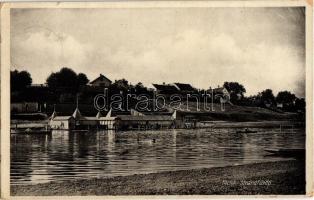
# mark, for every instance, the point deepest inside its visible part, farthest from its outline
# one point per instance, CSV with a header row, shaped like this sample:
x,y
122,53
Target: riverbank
x,y
20,124
284,177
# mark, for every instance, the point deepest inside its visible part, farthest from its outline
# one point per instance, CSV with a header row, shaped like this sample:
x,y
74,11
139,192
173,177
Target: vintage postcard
x,y
156,98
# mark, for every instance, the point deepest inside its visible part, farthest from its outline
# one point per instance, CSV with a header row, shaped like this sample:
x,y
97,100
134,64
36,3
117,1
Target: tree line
x,y
64,85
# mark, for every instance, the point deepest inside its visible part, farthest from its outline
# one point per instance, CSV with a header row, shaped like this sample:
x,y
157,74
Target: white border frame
x,y
5,80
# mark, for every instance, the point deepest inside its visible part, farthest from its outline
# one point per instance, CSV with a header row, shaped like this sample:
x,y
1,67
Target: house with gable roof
x,y
101,81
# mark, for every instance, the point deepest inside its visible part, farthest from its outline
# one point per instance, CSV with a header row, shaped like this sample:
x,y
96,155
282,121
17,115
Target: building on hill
x,y
25,107
219,91
185,87
101,81
220,95
166,88
175,88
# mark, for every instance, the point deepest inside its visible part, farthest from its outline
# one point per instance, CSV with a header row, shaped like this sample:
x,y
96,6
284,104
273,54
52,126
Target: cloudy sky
x,y
258,47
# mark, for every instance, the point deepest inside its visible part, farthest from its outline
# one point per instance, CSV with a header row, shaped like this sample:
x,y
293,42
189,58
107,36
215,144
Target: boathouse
x,y
139,120
82,122
79,122
108,121
61,122
97,122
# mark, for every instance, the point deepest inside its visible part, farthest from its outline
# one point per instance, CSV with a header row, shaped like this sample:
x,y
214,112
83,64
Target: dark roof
x,y
145,118
184,86
101,78
165,87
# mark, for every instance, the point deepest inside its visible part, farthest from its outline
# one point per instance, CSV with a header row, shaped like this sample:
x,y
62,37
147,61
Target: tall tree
x,y
267,96
140,88
82,79
66,77
20,80
285,97
300,104
235,87
122,84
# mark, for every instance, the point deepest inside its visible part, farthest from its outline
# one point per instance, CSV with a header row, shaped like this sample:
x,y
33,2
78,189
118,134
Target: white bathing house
x,y
61,122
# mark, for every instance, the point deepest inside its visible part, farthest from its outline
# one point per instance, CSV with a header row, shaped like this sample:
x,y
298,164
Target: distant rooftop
x,y
165,87
184,87
101,78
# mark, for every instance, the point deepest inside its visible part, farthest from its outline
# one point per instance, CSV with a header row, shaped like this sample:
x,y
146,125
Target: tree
x,y
140,88
52,80
300,104
66,78
267,97
285,97
122,84
236,90
20,80
82,79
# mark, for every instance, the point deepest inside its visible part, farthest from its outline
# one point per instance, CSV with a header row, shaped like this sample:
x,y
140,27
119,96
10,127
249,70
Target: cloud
x,y
258,47
47,51
193,56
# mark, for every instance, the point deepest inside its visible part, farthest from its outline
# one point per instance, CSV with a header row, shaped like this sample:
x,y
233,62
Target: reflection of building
x,y
101,81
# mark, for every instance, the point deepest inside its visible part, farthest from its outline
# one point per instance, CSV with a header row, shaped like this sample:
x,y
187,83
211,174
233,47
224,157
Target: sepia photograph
x,y
178,100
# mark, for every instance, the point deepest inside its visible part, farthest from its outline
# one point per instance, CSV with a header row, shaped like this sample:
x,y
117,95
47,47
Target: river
x,y
66,155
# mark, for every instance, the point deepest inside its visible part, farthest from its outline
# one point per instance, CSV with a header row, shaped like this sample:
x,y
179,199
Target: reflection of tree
x,y
60,154
82,144
20,155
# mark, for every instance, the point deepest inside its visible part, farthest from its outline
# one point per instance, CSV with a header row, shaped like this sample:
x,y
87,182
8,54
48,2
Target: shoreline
x,y
279,177
207,125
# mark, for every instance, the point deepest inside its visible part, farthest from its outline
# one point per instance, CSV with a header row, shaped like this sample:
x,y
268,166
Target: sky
x,y
260,48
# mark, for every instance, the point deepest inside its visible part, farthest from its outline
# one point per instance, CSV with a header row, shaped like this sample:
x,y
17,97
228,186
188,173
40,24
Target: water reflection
x,y
67,155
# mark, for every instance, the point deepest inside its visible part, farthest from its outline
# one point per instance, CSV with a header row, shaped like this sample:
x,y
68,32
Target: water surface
x,y
66,155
